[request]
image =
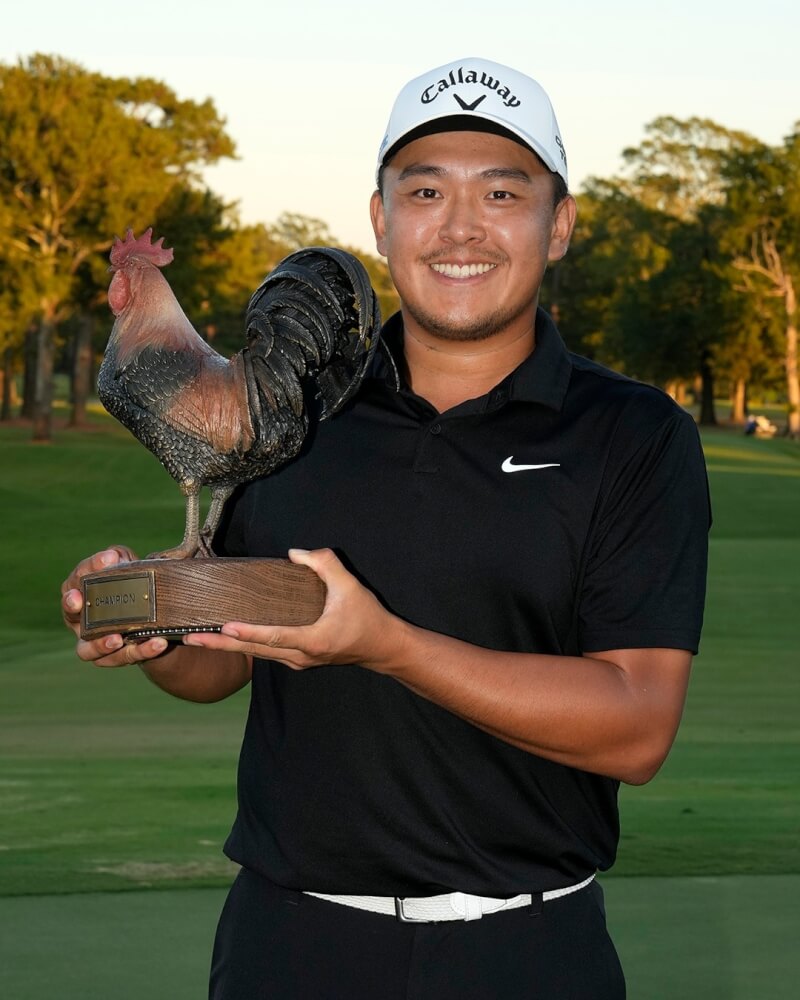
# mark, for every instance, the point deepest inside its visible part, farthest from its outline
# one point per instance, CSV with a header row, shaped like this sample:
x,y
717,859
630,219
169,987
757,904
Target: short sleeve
x,y
645,572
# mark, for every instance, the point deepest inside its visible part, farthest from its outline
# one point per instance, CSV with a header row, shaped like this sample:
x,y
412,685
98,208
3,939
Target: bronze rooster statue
x,y
312,324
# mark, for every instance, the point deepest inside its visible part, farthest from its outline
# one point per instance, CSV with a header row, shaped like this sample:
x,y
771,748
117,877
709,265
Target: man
x,y
513,540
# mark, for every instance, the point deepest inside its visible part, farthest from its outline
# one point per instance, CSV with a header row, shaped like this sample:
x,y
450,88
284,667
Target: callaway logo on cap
x,y
476,93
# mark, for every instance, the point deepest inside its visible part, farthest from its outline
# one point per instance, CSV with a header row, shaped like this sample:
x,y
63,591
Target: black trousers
x,y
278,943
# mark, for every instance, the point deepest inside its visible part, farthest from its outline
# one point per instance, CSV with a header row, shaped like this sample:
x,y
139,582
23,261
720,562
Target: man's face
x,y
467,225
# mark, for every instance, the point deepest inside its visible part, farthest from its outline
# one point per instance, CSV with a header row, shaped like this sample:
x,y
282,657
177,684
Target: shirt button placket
x,y
424,458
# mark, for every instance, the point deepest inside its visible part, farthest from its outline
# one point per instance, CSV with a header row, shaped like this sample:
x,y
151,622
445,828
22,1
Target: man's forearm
x,y
610,713
201,675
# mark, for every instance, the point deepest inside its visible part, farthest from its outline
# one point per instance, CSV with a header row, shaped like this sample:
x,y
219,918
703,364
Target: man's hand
x,y
354,627
110,650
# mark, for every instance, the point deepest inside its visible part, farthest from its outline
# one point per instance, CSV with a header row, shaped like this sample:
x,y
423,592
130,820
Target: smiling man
x,y
514,544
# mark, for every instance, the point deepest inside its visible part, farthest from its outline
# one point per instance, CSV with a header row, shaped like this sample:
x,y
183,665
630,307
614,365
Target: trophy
x,y
312,329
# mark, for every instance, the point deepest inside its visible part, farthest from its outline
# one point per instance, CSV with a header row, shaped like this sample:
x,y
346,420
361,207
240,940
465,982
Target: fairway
x,y
107,784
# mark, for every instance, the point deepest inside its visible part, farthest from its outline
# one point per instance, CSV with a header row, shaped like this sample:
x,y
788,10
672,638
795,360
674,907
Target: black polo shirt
x,y
565,511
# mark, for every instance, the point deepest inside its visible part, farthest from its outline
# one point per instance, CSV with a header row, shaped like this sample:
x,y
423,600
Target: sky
x,y
306,86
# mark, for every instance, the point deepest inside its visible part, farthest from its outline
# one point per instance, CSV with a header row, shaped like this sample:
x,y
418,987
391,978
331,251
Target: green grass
x,y
106,783
726,800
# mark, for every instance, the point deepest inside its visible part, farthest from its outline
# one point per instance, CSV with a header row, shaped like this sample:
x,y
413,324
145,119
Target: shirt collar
x,y
542,377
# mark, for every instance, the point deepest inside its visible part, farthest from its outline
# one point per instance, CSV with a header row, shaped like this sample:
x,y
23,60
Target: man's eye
x,y
501,195
426,193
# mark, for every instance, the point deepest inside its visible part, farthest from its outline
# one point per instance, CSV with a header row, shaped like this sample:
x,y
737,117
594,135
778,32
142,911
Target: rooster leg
x,y
219,495
191,535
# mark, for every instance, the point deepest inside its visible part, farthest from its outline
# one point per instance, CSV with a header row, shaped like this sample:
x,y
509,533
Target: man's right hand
x,y
192,674
110,650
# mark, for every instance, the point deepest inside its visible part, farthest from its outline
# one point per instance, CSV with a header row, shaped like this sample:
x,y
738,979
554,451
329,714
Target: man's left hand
x,y
354,627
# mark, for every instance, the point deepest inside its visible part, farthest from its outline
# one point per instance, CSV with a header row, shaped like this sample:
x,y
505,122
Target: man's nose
x,y
462,221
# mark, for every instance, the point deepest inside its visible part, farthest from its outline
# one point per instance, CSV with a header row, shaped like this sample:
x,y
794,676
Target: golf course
x,y
115,799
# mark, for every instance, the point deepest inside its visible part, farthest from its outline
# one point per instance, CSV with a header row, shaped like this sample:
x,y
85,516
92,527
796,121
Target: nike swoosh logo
x,y
508,465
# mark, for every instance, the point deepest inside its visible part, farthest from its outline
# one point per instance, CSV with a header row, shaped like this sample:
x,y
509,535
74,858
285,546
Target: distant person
x,y
761,426
513,606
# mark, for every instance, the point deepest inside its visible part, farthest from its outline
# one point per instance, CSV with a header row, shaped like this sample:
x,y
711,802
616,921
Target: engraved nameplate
x,y
123,598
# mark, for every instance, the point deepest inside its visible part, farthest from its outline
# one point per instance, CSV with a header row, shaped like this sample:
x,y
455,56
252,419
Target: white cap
x,y
475,94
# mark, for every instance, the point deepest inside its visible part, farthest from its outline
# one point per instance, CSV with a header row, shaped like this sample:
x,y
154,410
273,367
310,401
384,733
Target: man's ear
x,y
378,216
563,223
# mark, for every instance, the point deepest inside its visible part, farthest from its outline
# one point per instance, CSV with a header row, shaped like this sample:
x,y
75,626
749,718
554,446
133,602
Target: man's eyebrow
x,y
421,170
491,174
506,174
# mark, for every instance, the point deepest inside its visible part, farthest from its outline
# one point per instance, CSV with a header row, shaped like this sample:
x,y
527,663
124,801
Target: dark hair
x,y
560,190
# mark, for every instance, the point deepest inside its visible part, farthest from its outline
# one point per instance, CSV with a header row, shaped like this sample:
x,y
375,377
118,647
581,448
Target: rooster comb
x,y
143,248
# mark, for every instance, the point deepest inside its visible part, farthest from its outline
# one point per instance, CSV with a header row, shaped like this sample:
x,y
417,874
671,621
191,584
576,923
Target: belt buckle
x,y
402,916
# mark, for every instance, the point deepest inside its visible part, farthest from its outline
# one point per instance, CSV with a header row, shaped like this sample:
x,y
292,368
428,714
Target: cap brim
x,y
461,123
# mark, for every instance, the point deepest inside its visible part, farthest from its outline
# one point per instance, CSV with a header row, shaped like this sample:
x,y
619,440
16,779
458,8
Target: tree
x,y
295,231
677,173
678,169
17,310
231,271
764,239
617,246
81,157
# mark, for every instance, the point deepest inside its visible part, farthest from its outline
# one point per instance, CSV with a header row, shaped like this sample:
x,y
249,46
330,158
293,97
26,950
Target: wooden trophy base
x,y
173,597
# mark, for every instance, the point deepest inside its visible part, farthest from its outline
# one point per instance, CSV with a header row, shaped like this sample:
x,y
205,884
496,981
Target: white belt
x,y
450,906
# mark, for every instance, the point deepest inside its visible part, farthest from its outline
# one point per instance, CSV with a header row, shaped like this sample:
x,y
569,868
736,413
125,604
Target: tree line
x,y
682,272
684,268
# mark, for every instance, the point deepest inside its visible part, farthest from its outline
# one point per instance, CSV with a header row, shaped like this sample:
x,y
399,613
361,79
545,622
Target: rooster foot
x,y
191,536
204,550
186,550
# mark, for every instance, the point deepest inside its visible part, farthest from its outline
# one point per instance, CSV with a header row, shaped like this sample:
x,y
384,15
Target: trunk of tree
x,y
29,376
708,417
677,389
792,383
9,389
81,369
45,355
738,401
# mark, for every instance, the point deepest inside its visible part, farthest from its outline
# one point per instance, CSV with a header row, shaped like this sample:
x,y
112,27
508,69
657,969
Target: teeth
x,y
462,270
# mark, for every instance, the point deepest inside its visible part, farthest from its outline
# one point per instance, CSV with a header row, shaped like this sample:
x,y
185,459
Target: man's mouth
x,y
462,270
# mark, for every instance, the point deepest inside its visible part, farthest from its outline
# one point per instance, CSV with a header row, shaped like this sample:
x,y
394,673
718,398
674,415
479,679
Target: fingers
x,y
324,562
71,595
340,584
344,633
272,636
93,564
261,640
291,646
112,651
71,605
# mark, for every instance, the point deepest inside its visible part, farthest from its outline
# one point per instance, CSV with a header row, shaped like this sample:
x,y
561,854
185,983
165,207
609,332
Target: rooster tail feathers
x,y
316,315
341,378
